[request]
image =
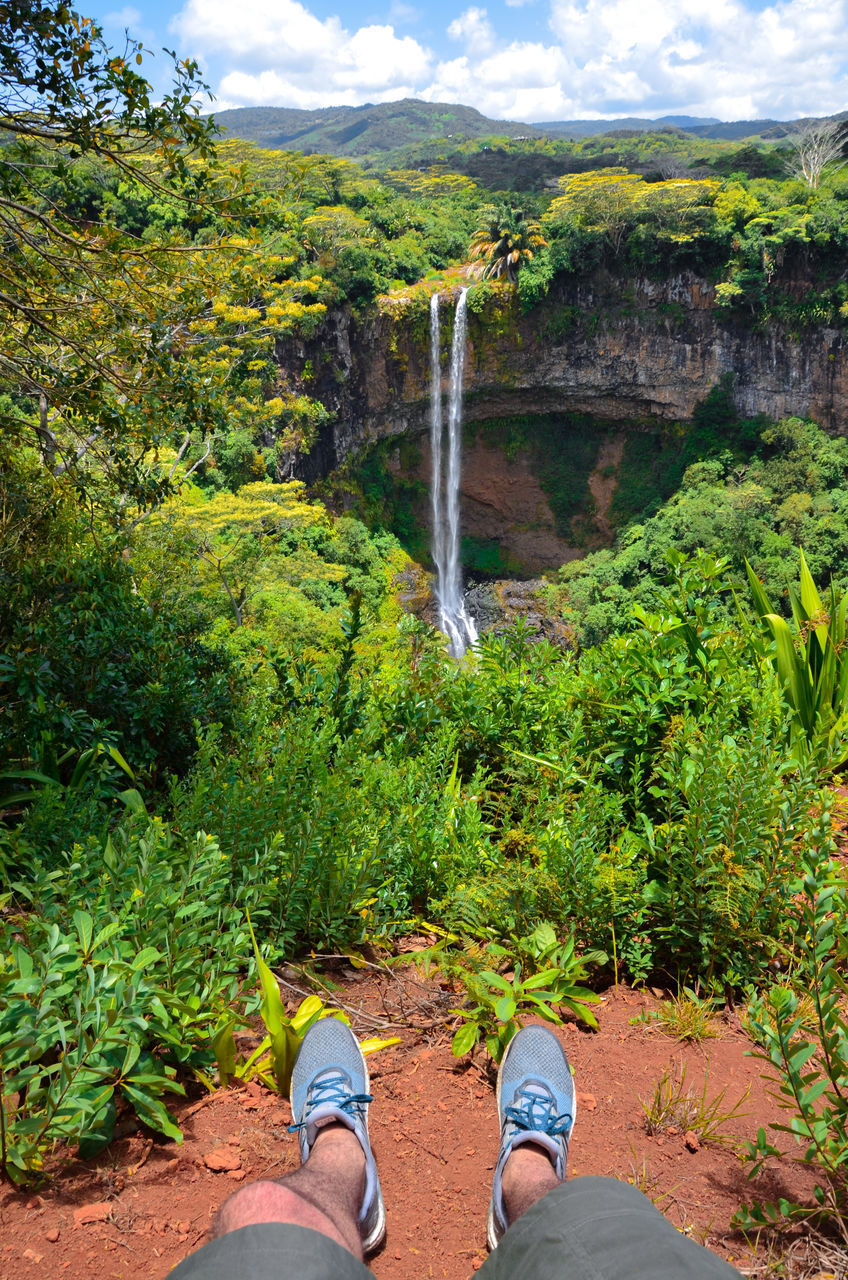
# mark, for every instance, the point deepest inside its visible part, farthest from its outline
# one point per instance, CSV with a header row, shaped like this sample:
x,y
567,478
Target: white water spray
x,y
453,618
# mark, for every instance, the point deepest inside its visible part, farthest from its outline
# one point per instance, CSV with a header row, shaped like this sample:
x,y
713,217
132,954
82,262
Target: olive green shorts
x,y
586,1229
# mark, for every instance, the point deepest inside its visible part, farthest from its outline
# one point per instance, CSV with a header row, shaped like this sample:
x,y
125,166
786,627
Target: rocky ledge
x,y
622,350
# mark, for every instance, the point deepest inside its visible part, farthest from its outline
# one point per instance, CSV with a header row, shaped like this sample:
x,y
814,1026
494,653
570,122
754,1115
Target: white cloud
x,y
715,57
259,32
399,11
596,58
473,27
122,18
280,54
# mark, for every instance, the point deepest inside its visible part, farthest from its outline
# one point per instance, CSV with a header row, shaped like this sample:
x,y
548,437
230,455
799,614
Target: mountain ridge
x,y
374,128
343,130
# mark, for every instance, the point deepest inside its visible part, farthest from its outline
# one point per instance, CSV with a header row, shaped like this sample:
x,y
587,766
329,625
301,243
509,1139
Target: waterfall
x,y
436,446
453,618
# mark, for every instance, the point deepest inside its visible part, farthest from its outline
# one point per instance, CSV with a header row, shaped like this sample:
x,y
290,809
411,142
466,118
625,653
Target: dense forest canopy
x,y
215,709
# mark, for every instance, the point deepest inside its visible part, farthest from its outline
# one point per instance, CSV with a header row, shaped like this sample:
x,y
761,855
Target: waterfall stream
x,y
444,495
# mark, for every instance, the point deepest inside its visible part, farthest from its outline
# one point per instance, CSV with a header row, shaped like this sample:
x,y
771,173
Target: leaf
x,y
13,798
82,768
10,799
810,598
108,931
374,1044
464,1038
495,1047
544,1011
584,1014
540,979
762,604
119,760
131,1056
133,801
284,1042
152,1111
100,1133
544,936
495,980
308,1011
505,1008
452,788
84,926
224,1048
254,1064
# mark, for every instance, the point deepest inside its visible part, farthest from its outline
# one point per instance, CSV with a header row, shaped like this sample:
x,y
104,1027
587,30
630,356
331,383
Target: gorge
x,y
629,357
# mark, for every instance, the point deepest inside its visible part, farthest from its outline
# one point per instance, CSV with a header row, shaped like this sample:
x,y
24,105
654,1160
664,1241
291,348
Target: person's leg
x,y
528,1175
325,1194
542,1228
318,1222
537,1107
599,1229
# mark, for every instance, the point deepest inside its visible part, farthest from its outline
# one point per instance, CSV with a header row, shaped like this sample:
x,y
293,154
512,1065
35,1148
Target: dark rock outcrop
x,y
636,350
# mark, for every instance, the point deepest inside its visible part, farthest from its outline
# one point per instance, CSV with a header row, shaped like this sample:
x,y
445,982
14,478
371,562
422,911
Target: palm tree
x,y
504,239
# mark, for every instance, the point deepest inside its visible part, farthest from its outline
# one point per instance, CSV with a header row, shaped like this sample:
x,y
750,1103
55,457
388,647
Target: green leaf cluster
x,y
116,963
815,674
807,1056
500,1003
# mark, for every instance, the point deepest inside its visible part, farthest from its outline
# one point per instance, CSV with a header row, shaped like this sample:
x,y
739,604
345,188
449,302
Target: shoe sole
x,y
492,1234
377,1234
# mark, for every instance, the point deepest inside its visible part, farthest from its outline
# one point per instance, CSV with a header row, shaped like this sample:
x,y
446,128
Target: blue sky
x,y
512,59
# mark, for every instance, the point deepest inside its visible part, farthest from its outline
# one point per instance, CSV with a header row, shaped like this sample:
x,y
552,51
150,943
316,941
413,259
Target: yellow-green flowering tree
x,y
614,201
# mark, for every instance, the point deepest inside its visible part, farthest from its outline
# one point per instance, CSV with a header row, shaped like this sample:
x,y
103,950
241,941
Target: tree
x,y
603,200
89,314
614,201
505,238
814,147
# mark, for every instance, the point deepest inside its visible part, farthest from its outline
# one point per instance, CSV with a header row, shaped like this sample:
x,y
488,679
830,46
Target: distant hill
x,y
378,130
367,130
587,128
697,126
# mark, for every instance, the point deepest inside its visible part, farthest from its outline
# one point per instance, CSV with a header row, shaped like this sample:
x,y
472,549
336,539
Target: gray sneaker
x,y
536,1103
329,1084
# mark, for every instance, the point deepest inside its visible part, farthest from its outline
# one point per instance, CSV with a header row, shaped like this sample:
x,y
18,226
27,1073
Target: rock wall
x,y
621,350
503,503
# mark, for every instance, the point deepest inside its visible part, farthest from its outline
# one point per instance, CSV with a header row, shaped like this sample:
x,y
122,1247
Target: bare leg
x,y
528,1175
324,1194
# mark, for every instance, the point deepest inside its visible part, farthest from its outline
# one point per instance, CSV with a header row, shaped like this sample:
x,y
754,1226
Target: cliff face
x,y
621,350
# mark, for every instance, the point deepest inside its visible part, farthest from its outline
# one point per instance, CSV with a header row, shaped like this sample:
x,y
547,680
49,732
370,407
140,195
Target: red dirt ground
x,y
144,1203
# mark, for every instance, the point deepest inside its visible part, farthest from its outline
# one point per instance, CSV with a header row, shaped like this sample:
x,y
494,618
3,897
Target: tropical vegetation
x,y
224,740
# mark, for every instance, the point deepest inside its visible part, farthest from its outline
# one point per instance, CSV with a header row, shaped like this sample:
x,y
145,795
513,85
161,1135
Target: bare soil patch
x,y
145,1203
602,483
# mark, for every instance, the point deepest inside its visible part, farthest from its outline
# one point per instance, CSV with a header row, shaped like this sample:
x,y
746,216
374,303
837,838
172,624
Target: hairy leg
x,y
324,1194
528,1175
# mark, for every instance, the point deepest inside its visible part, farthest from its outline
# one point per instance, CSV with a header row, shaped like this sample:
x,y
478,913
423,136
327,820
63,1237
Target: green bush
x,y
116,962
85,657
807,1052
287,816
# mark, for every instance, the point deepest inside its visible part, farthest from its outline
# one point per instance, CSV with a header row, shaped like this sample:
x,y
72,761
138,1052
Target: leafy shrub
x,y
815,680
117,962
286,818
86,658
809,1063
500,1003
